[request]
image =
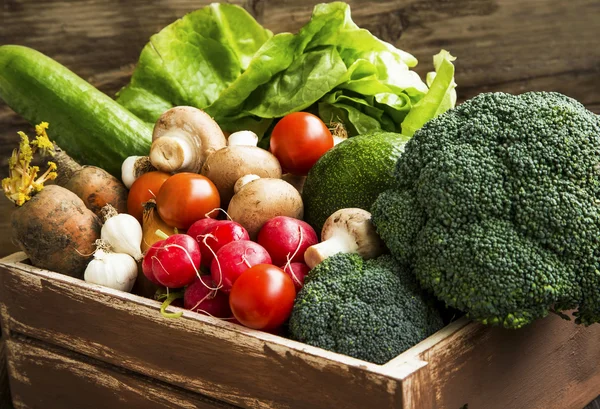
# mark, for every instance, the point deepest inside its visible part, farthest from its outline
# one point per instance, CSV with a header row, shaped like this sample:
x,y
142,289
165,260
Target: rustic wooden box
x,y
71,344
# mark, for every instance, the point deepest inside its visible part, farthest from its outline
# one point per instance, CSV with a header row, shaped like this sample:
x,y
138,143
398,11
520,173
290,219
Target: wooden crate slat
x,y
230,363
52,378
5,396
495,368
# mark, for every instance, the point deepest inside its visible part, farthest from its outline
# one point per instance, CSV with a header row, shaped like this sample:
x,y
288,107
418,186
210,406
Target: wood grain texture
x,y
224,361
47,377
551,364
5,396
594,405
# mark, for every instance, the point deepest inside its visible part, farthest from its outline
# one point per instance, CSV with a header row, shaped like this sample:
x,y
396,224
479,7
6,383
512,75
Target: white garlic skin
x,y
124,235
128,171
114,270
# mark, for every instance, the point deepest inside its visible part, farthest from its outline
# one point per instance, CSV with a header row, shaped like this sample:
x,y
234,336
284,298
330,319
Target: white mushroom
x,y
183,138
242,157
259,200
346,231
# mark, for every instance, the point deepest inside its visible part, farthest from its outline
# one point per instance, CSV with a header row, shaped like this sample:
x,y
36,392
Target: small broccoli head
x,y
368,309
497,208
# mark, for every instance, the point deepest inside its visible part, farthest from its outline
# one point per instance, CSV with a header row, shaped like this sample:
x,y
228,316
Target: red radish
x,y
215,236
177,261
233,259
297,272
201,296
147,262
199,226
286,238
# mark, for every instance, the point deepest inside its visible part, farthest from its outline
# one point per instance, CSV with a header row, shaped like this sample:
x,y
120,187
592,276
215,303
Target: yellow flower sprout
x,y
23,180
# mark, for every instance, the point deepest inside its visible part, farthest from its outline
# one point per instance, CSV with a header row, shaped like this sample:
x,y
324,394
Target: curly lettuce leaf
x,y
330,57
440,97
221,60
192,61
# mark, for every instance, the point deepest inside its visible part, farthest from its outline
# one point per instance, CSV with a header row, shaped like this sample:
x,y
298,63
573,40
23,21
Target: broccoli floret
x,y
368,309
496,208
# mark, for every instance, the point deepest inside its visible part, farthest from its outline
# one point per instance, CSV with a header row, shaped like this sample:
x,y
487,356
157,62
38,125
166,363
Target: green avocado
x,y
351,174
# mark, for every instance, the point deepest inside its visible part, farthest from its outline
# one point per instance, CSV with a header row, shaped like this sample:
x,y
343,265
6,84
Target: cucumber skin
x,y
89,125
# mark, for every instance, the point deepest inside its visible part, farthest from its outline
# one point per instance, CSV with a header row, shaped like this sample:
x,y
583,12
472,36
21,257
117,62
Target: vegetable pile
x,y
310,185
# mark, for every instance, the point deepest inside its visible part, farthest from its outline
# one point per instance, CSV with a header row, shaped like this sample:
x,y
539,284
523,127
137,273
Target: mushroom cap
x,y
357,224
192,126
227,165
262,199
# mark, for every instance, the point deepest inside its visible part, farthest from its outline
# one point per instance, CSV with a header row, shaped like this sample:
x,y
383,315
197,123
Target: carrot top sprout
x,y
23,180
42,141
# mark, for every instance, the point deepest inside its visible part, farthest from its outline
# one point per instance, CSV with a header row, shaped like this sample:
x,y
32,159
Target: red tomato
x,y
299,140
262,297
186,197
144,188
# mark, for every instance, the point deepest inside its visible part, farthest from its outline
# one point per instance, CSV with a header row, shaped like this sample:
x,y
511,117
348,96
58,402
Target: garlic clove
x,y
124,235
115,270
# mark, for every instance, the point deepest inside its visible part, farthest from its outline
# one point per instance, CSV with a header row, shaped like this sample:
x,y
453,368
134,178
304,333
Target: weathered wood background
x,y
508,45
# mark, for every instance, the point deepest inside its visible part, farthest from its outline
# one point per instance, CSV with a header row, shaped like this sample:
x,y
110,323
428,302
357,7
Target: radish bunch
x,y
226,275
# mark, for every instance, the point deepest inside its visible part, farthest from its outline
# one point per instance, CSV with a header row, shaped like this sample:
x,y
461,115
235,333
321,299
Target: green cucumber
x,y
89,125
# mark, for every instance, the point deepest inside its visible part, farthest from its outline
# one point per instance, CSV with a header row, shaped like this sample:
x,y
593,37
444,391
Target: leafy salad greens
x,y
221,60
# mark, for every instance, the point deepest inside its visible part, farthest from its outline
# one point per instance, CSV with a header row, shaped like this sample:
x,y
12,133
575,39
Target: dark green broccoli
x,y
497,208
368,309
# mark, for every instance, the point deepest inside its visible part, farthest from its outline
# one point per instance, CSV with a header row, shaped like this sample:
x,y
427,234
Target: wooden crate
x,y
104,349
72,344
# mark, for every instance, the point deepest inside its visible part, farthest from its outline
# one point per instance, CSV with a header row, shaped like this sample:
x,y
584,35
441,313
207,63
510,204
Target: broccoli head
x,y
497,208
368,309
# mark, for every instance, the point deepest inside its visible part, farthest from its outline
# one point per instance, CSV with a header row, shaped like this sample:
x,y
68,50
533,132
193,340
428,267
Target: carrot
x,y
56,231
95,186
50,224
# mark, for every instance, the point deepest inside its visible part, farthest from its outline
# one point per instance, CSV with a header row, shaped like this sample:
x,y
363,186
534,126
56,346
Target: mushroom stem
x,y
183,138
173,151
243,181
246,138
347,230
340,242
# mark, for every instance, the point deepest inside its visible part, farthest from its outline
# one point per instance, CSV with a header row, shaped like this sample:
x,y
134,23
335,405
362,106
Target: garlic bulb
x,y
123,233
133,167
114,270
